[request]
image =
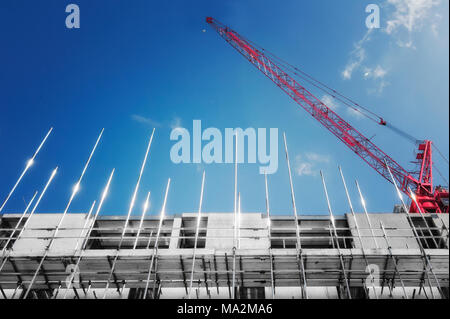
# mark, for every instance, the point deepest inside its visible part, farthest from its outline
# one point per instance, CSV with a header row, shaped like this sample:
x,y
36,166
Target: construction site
x,y
398,254
361,256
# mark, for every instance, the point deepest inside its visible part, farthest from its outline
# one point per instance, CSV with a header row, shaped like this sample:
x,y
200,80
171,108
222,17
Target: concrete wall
x,y
220,231
175,235
41,226
441,222
253,231
395,224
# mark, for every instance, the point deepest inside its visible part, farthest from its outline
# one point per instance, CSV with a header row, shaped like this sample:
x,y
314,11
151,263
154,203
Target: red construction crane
x,y
421,183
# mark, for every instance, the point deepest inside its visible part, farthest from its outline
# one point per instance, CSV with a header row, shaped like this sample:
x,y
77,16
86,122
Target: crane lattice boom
x,y
351,137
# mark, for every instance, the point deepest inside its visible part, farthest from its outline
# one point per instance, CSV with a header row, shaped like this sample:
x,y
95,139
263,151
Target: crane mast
x,y
429,200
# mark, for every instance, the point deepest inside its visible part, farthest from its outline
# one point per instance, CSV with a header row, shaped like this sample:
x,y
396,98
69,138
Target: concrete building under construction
x,y
224,255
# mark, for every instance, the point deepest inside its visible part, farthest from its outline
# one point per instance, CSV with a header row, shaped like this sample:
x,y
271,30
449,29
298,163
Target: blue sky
x,y
135,65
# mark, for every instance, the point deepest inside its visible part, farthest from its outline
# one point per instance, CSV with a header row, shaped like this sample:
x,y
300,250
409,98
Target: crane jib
x,y
351,137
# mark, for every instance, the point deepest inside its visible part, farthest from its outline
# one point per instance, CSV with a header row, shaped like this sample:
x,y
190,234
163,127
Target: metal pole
x,y
155,247
196,234
393,259
358,231
136,188
15,290
18,224
28,165
336,236
413,196
233,296
78,184
149,240
74,192
4,250
297,229
235,176
363,202
272,279
235,217
239,217
237,240
406,211
32,211
86,239
130,209
85,223
144,210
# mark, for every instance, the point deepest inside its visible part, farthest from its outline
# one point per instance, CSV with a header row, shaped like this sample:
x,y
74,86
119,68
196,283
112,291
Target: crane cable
x,y
440,153
320,85
440,174
335,94
434,164
343,99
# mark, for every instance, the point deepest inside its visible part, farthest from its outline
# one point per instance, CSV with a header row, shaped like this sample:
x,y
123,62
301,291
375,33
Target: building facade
x,y
224,255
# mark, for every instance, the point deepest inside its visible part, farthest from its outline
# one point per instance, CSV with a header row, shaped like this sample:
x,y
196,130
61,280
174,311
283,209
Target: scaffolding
x,y
191,255
222,255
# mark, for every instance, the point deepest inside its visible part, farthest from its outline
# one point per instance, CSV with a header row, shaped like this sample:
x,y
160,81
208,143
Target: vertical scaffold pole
x,y
333,224
272,276
394,261
233,296
155,247
55,233
413,196
27,167
372,279
141,222
32,212
239,221
136,188
127,219
85,224
300,259
199,217
425,259
88,234
18,224
369,223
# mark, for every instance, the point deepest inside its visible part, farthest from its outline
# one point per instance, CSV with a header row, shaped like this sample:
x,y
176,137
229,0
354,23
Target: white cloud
x,y
145,120
435,24
328,101
434,29
409,44
303,169
306,165
354,113
379,89
176,124
409,14
314,157
349,68
403,16
377,73
357,56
